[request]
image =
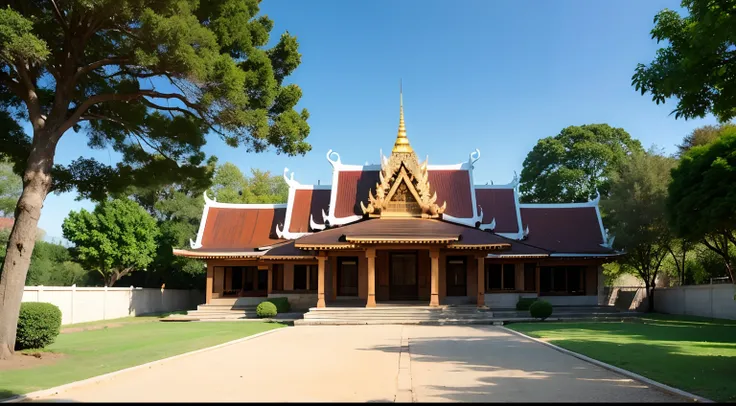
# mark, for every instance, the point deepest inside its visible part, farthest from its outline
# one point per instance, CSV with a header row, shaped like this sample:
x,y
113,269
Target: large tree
x,y
115,239
232,186
146,78
702,197
636,213
699,62
701,136
575,164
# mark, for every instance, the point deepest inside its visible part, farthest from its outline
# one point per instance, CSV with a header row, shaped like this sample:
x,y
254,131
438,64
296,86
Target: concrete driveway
x,y
369,364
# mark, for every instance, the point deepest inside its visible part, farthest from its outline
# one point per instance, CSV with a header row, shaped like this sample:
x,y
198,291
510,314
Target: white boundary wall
x,y
79,305
715,301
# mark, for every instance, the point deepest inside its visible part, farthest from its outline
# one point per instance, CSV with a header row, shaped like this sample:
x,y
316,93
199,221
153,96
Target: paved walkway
x,y
362,363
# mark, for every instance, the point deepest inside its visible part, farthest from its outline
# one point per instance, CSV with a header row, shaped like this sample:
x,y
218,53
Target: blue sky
x,y
492,75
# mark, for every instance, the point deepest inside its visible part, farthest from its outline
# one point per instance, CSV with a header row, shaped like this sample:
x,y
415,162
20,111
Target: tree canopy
x,y
636,214
232,186
701,136
116,238
575,164
150,79
702,198
699,62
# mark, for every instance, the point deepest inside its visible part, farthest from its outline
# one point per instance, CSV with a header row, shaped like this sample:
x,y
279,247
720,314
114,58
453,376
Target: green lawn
x,y
118,322
694,354
96,352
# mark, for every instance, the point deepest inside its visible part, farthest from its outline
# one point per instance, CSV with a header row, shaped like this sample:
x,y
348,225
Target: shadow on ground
x,y
485,363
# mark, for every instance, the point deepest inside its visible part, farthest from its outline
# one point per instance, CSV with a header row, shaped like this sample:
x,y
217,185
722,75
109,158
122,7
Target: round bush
x,y
540,309
266,309
38,325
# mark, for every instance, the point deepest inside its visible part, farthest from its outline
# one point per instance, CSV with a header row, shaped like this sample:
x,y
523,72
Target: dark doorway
x,y
403,276
262,279
457,273
347,276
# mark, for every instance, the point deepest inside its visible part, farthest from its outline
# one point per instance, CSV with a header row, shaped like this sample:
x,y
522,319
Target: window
x,y
300,277
530,276
509,277
565,280
500,277
494,277
313,275
277,277
237,279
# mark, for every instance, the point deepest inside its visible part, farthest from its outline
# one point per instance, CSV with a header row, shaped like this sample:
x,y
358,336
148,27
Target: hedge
x,y
525,302
540,309
38,325
282,304
266,309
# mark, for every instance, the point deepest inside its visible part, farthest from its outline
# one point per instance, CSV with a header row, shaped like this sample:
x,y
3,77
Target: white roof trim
x,y
468,221
559,254
589,203
511,185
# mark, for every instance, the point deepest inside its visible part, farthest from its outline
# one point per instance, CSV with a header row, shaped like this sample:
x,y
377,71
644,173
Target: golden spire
x,y
402,142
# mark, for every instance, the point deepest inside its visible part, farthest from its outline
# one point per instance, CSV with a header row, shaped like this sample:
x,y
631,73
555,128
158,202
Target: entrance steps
x,y
216,312
448,315
396,315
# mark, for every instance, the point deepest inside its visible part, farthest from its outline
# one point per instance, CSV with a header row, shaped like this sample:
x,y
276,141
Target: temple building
x,y
402,231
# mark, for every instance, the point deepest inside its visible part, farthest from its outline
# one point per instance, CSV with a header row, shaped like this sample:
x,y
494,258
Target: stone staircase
x,y
448,315
220,312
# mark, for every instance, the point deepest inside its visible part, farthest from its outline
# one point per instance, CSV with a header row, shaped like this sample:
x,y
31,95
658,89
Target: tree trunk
x,y
650,296
36,185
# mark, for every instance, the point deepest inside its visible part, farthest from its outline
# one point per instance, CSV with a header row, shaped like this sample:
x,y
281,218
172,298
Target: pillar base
x,y
371,302
321,302
434,300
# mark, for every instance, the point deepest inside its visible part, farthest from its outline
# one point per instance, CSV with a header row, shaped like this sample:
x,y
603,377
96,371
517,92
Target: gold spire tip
x,y
402,142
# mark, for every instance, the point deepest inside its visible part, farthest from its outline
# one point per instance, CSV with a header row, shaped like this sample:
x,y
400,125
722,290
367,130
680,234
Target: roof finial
x,y
402,142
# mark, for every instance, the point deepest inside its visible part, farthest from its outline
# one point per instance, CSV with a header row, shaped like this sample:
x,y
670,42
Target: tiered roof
x,y
488,217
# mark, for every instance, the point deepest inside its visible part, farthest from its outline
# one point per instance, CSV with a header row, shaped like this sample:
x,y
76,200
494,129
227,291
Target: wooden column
x,y
210,286
434,297
321,259
537,275
481,280
370,255
333,269
270,279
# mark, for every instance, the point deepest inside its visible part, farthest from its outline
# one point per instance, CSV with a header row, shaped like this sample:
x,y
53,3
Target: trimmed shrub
x,y
38,325
540,309
282,304
525,302
266,309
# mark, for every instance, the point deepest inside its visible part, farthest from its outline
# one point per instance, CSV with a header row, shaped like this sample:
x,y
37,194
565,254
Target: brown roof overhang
x,y
217,254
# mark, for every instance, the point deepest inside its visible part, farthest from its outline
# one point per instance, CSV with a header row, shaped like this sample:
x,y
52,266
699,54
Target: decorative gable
x,y
403,188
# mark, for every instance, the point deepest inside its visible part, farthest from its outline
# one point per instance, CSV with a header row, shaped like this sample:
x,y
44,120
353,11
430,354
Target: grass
x,y
119,321
694,354
96,352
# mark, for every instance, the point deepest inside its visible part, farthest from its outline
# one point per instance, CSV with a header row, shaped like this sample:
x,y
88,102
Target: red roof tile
x,y
238,228
352,188
452,186
563,230
501,205
308,202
